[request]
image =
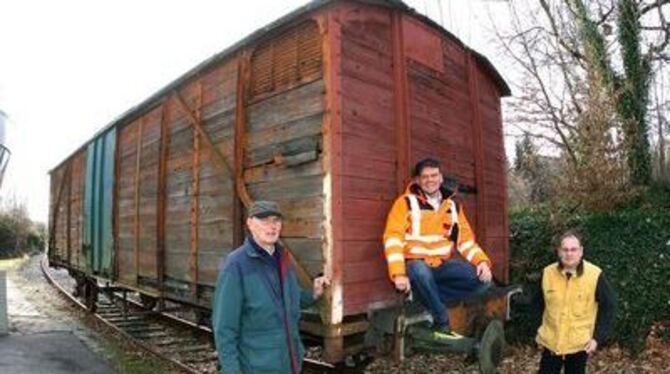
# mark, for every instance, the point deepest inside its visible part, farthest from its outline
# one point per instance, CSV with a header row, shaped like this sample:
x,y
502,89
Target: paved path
x,y
39,342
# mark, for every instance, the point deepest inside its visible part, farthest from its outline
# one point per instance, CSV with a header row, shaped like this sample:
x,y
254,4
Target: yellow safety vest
x,y
570,310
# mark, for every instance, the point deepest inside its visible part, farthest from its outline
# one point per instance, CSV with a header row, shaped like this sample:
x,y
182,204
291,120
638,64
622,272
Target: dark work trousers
x,y
450,282
552,364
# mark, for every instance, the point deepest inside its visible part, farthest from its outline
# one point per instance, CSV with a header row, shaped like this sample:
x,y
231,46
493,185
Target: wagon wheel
x,y
491,347
91,295
203,317
79,286
148,302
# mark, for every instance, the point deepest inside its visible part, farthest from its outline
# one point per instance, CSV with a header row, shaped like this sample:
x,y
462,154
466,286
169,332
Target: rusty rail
x,y
129,324
121,322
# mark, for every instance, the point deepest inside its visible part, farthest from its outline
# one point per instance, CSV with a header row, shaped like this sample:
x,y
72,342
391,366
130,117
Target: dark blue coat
x,y
256,313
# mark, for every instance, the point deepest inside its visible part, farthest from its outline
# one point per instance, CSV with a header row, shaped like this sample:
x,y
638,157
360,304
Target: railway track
x,y
186,346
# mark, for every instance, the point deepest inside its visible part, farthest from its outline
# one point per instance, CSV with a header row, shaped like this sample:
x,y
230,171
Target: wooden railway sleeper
x,y
195,348
191,346
170,342
120,318
197,360
132,329
148,335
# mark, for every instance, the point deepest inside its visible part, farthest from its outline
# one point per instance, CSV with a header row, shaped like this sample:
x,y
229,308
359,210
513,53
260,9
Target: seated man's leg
x,y
425,288
457,280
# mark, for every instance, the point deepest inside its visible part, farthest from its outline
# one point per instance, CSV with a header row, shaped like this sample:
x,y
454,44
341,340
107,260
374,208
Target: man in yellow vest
x,y
577,306
423,230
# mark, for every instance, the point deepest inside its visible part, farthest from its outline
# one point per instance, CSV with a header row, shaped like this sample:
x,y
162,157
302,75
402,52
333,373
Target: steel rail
x,y
137,342
309,365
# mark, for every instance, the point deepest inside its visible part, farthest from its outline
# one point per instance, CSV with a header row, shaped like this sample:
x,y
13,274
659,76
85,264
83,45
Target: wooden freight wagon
x,y
325,111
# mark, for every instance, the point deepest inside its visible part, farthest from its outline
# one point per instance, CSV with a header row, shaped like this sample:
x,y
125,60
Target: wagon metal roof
x,y
154,99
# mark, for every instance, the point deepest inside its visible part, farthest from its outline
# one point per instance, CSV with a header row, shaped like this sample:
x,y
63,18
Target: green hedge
x,y
631,245
18,239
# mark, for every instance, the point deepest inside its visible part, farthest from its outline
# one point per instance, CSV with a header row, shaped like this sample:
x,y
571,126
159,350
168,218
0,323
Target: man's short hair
x,y
425,163
569,234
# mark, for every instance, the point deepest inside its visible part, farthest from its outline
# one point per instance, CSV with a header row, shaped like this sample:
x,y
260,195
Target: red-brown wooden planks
x,y
441,125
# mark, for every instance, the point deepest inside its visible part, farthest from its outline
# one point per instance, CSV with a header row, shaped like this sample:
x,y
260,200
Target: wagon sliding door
x,y
98,240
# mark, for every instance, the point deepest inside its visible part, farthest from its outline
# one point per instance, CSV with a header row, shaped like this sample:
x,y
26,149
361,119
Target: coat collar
x,y
580,267
252,249
414,189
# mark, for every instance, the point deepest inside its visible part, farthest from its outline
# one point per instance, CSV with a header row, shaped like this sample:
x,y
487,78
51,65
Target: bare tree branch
x,y
604,15
547,10
563,64
540,136
656,5
655,51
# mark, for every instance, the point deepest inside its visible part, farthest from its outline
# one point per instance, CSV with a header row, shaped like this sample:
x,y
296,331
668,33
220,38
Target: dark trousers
x,y
552,364
450,282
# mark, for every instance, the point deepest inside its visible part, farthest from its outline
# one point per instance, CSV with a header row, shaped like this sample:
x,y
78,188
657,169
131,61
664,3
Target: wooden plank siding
x,y
59,213
54,211
494,176
196,235
76,201
66,212
441,125
139,146
198,220
283,146
215,208
282,124
368,154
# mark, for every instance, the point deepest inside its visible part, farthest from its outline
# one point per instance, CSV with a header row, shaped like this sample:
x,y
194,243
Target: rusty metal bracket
x,y
138,181
160,204
243,77
195,198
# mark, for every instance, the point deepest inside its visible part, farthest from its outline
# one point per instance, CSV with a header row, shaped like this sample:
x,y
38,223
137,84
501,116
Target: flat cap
x,y
262,209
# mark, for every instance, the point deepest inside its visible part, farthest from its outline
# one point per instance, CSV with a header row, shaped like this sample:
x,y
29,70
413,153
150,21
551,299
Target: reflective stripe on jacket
x,y
416,230
569,317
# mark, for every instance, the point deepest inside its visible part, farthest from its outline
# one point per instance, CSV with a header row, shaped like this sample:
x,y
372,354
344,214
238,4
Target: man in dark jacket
x,y
577,307
257,301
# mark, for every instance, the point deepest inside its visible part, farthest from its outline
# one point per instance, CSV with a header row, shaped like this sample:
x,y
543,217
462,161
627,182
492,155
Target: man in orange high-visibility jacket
x,y
423,227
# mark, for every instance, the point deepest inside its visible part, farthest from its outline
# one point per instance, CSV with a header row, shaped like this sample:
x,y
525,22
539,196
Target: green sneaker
x,y
445,334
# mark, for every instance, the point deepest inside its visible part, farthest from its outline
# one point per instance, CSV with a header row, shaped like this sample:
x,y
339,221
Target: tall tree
x,y
634,87
630,90
585,83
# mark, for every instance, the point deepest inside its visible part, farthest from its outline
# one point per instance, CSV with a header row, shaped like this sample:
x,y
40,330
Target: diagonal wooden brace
x,y
221,162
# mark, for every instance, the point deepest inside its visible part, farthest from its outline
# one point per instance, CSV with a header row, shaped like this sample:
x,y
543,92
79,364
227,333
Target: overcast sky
x,y
69,67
